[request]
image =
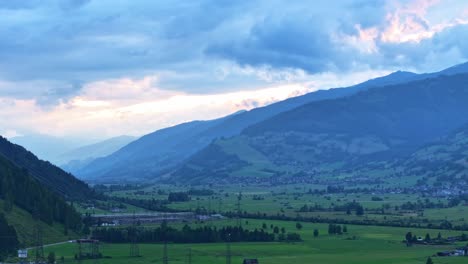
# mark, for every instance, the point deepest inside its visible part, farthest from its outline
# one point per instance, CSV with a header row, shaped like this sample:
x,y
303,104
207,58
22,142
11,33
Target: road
x,y
54,244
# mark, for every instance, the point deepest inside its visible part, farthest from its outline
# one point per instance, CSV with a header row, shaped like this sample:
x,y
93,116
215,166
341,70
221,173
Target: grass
x,y
288,199
25,225
372,245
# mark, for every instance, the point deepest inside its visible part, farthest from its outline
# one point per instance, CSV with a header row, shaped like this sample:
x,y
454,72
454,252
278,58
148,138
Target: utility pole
x,y
208,216
209,206
228,250
134,247
165,258
238,205
39,256
95,251
189,256
220,204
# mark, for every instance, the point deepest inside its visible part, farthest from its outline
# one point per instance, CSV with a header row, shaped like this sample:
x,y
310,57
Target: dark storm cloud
x,y
79,41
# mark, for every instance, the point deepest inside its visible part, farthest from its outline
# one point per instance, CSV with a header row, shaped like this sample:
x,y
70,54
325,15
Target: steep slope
x,y
48,174
328,136
446,160
24,224
22,197
150,154
155,154
77,158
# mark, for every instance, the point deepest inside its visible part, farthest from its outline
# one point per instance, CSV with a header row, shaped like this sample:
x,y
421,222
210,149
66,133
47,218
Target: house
x,y
463,251
458,252
250,261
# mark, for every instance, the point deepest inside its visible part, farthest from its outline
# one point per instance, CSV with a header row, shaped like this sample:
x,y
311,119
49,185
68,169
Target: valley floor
x,y
362,244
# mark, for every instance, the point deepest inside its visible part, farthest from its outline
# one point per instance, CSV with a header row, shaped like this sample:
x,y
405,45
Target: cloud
x,y
82,41
283,43
85,61
114,107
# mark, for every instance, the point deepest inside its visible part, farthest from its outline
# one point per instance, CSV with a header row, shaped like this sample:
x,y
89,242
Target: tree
x,y
439,236
409,237
316,232
178,197
264,226
338,229
359,210
276,230
345,229
298,226
427,238
283,230
51,258
429,261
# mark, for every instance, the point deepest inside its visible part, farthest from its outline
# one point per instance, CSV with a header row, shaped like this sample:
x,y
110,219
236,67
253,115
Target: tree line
x,y
187,234
397,223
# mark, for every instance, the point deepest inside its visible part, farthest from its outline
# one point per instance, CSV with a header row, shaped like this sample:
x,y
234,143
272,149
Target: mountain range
x,y
47,147
156,155
78,158
330,137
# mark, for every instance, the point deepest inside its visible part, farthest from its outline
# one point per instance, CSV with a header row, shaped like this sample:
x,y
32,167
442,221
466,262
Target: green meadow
x,y
362,244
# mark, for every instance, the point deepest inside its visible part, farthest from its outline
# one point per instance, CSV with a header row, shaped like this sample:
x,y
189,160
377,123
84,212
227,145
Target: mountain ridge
x,y
150,164
348,131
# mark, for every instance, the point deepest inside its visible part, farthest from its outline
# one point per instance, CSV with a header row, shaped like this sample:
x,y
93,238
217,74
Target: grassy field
x,y
371,245
362,244
24,225
288,199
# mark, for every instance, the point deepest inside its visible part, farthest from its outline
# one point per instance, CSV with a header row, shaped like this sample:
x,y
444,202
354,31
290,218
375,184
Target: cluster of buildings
x,y
459,252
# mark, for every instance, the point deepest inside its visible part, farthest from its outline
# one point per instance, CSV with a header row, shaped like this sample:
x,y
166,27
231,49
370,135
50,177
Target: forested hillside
x,y
444,161
18,188
46,173
24,203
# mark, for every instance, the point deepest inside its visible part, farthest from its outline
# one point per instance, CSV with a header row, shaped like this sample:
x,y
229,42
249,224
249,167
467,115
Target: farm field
x,y
362,244
288,200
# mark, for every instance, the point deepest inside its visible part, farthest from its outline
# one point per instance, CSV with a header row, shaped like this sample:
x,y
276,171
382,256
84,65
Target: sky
x,y
103,68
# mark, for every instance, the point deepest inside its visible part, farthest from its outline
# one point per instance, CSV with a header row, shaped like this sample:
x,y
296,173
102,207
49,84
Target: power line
x,y
165,258
228,250
39,246
134,247
189,256
238,205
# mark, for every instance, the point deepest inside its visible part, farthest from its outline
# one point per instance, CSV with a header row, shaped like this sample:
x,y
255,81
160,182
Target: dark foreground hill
x,y
25,203
46,173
